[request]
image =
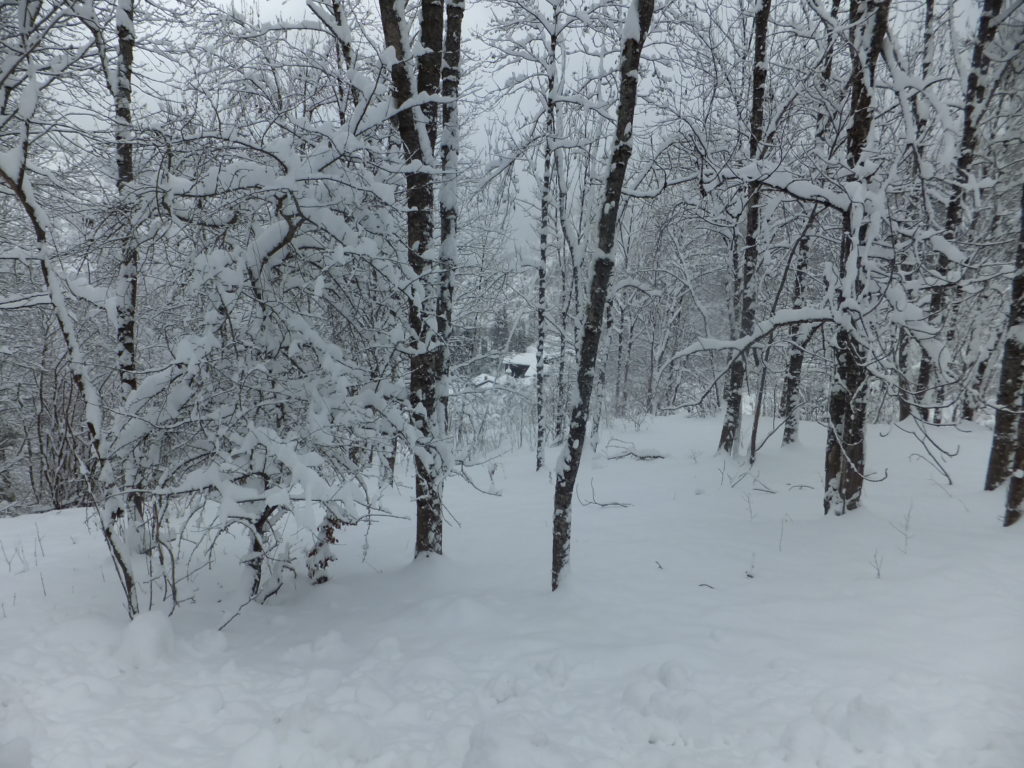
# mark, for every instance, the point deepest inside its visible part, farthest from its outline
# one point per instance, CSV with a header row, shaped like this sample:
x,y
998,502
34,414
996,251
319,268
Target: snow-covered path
x,y
718,620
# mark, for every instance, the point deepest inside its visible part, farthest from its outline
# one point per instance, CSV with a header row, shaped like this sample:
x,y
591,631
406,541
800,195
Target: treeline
x,y
247,274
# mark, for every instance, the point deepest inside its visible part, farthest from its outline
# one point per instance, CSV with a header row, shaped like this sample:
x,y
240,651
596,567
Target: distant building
x,y
523,365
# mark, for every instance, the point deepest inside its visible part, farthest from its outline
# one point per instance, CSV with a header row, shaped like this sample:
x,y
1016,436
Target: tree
x,y
975,96
844,452
36,39
634,33
799,337
1007,457
417,129
746,267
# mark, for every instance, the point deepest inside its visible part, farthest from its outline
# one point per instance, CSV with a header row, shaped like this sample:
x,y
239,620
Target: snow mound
x,y
148,639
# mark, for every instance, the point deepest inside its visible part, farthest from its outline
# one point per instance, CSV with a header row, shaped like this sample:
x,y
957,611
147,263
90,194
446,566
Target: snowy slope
x,y
717,620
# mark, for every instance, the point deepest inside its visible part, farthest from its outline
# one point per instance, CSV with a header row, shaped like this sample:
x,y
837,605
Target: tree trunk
x,y
1005,457
111,508
128,276
1015,492
794,366
562,398
746,270
622,354
797,343
424,373
112,513
602,373
844,450
127,288
974,98
972,399
758,405
545,229
638,21
448,197
343,59
902,365
905,387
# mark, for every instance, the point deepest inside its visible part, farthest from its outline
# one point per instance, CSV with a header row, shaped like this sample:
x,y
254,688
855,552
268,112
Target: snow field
x,y
717,620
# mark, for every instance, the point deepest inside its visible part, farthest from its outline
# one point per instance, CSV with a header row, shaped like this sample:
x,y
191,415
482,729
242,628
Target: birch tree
x,y
45,51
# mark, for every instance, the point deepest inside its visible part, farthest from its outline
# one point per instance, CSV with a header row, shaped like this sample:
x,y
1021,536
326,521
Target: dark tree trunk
x,y
622,355
797,344
320,555
545,229
448,202
1006,457
851,485
1015,492
974,98
568,336
343,59
746,270
565,483
902,366
758,405
541,278
425,373
258,552
844,450
733,399
564,336
430,62
561,400
794,366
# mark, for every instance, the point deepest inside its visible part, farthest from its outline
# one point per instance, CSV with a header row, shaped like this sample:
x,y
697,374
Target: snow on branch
x,y
773,175
778,320
24,300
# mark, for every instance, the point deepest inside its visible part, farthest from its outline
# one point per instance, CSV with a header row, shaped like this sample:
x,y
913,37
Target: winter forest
x,y
336,335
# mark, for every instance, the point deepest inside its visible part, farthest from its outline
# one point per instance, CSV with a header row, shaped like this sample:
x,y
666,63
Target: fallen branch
x,y
594,502
638,456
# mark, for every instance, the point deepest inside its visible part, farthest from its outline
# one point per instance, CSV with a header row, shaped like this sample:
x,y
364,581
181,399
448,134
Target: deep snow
x,y
718,620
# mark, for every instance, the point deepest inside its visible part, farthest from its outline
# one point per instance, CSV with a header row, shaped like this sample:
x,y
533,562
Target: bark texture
x,y
448,202
417,129
794,365
974,98
565,482
747,266
546,212
1006,456
847,407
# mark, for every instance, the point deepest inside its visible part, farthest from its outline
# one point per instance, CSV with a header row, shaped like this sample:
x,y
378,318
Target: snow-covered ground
x,y
717,620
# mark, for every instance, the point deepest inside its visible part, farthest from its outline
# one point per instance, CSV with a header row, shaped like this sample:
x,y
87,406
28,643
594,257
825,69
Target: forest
x,y
295,293
256,261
